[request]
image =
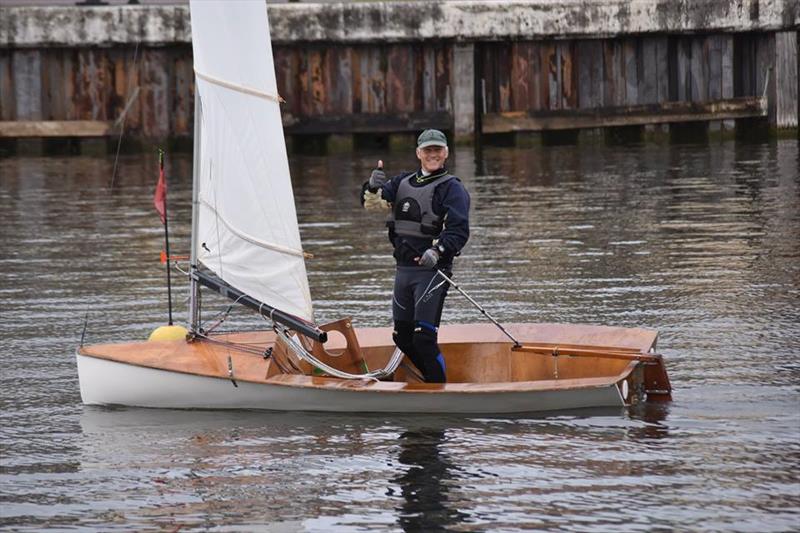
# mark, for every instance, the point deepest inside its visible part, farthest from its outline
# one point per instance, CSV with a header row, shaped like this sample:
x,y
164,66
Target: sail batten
x,y
247,231
236,87
249,238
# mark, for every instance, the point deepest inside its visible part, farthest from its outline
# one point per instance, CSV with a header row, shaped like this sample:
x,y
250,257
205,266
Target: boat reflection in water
x,y
317,472
426,481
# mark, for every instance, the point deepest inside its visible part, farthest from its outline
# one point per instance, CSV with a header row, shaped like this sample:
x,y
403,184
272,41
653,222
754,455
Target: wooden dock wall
x,y
83,71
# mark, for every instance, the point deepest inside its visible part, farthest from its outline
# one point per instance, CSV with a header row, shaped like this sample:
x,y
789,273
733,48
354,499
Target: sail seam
x,y
249,238
240,88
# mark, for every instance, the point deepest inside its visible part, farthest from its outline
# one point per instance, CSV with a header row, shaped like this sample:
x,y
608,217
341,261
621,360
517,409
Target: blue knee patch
x,y
440,359
427,325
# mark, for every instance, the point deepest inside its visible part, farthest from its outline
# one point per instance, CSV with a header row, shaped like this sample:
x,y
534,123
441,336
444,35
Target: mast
x,y
194,287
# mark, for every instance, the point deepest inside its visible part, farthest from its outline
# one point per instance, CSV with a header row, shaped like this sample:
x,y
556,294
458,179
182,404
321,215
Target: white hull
x,y
106,382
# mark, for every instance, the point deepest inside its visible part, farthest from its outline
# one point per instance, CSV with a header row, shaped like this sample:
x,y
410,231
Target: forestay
x,y
247,230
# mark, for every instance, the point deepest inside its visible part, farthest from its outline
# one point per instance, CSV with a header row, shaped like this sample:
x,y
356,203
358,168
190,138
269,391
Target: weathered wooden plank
x,y
765,72
154,94
502,76
630,51
613,85
428,81
568,80
93,92
489,86
357,64
699,66
743,65
26,73
520,76
8,105
786,80
714,50
182,95
551,62
373,88
444,62
399,79
726,60
367,122
316,96
538,74
590,73
125,92
339,73
662,68
55,128
727,72
648,79
50,81
303,93
684,59
286,75
665,112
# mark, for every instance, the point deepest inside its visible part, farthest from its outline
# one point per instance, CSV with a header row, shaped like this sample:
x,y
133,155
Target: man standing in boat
x,y
428,226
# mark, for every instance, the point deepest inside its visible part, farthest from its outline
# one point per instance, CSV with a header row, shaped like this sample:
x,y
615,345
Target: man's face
x,y
432,158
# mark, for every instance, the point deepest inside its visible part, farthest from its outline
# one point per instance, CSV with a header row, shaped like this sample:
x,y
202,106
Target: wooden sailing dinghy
x,y
246,246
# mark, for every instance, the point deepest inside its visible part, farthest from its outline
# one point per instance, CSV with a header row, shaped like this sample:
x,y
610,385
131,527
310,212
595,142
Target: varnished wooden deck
x,y
479,358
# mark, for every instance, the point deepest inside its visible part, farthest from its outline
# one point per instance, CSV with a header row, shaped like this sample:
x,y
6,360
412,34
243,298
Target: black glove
x,y
377,178
430,258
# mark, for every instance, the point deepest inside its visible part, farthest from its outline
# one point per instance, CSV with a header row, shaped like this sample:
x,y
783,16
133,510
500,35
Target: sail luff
x,y
194,288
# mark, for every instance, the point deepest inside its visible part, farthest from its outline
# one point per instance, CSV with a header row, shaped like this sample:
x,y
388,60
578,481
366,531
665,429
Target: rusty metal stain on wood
x,y
8,106
182,101
337,80
317,95
286,74
614,80
444,58
155,117
400,80
373,88
358,83
520,76
568,75
487,77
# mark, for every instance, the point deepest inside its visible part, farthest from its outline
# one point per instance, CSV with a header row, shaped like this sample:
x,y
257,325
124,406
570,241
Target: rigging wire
x,y
125,114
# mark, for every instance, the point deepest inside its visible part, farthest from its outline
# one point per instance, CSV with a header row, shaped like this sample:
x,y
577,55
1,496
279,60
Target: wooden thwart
x,y
636,115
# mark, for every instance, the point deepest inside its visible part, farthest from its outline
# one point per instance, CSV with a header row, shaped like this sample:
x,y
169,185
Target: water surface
x,y
701,242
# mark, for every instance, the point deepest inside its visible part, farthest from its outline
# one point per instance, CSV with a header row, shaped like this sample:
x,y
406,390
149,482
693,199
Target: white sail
x,y
247,230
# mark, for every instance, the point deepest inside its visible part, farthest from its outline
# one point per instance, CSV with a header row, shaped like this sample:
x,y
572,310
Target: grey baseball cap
x,y
431,138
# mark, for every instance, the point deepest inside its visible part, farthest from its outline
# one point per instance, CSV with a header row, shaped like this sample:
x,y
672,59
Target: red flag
x,y
160,197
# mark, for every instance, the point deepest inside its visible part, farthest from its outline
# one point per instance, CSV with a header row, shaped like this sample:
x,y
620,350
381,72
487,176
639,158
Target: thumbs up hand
x,y
378,177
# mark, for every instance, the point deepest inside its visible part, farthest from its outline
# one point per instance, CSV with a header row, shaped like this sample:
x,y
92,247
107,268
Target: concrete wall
x,y
404,21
